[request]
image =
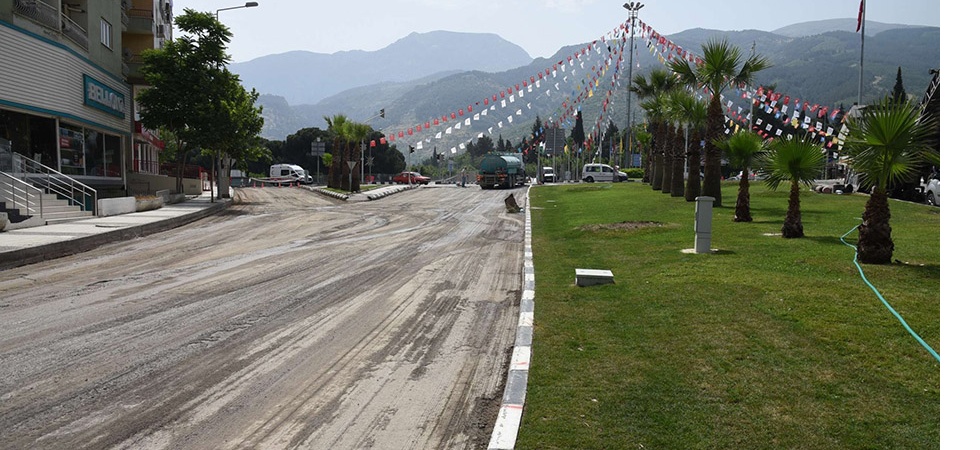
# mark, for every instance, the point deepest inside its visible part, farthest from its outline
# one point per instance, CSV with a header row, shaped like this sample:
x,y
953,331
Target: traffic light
x,y
382,113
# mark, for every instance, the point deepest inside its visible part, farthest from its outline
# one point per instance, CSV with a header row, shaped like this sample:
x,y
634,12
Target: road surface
x,y
289,320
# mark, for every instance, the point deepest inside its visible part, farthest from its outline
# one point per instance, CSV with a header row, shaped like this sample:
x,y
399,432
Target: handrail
x,y
21,194
52,181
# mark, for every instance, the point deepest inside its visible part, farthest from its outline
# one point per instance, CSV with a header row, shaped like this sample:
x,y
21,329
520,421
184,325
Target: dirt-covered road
x,y
289,320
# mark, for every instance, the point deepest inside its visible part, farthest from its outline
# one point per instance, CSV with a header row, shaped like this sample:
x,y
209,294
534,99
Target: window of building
x,y
106,34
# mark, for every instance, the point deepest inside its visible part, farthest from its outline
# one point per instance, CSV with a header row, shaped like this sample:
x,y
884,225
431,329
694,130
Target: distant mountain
x,y
819,68
306,78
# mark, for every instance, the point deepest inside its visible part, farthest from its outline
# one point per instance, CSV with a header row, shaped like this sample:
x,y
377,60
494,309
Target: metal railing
x,y
20,196
39,12
49,180
74,32
49,16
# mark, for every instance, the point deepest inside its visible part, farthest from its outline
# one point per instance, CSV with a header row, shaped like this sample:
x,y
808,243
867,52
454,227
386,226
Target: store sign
x,y
104,98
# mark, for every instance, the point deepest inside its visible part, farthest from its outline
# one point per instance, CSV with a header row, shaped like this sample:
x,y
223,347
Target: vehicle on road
x,y
932,190
503,170
602,173
290,172
411,178
548,175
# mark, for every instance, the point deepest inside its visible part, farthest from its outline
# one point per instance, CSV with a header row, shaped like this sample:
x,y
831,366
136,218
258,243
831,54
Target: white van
x,y
602,173
287,171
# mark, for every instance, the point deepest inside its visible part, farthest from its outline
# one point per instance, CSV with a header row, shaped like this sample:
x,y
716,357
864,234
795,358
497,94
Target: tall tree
x,y
649,89
338,127
888,143
797,160
693,114
184,81
235,126
744,150
898,92
720,67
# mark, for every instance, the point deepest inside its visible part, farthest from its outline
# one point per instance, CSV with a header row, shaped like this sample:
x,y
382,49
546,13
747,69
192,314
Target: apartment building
x,y
69,72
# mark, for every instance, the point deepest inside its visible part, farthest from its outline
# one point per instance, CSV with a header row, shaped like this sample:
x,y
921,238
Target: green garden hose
x,y
873,289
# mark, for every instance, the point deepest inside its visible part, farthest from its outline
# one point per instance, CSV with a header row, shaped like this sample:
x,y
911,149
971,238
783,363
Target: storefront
x,y
75,120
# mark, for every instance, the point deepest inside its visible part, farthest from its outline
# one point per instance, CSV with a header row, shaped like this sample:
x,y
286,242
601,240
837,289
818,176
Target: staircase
x,y
33,194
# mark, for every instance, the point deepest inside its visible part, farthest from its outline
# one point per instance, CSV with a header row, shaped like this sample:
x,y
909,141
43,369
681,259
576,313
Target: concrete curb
x,y
504,435
25,256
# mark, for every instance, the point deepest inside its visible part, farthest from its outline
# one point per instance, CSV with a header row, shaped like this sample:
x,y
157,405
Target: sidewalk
x,y
31,245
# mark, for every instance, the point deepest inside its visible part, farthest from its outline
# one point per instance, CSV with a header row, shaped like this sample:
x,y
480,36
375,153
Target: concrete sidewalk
x,y
35,244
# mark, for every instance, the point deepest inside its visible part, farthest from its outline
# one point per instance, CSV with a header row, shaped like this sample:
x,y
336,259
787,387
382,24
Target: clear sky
x,y
541,27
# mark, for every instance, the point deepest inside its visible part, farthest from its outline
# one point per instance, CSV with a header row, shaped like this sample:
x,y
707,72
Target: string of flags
x,y
596,69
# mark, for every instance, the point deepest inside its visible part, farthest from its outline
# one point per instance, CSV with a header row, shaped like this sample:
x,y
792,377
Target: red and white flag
x,y
860,16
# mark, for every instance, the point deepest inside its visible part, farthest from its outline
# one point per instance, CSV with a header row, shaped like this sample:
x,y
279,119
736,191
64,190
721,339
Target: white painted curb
x,y
504,435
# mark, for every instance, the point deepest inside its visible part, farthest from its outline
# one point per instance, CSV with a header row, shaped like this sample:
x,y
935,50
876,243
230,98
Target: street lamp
x,y
633,8
221,162
246,5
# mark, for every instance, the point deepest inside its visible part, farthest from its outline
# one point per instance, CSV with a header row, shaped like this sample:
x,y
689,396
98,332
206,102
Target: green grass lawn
x,y
767,343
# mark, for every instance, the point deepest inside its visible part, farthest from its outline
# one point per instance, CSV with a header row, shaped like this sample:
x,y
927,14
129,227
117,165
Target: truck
x,y
289,172
503,170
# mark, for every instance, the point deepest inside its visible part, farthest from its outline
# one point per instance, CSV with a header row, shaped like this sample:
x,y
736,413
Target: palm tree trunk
x,y
712,156
668,168
693,189
677,177
793,225
875,244
658,157
742,211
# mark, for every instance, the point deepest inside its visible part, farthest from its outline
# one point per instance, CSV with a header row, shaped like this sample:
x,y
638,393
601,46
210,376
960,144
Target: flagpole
x,y
861,20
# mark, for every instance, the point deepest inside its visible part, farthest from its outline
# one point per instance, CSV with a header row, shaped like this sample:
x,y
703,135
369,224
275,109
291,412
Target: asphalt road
x,y
289,320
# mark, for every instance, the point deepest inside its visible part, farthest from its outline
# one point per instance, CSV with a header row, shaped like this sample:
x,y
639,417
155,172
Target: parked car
x,y
548,175
411,178
932,190
602,173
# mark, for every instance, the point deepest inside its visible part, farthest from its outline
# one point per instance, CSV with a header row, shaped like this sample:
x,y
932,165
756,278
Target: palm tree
x,y
693,113
338,126
797,160
744,150
888,143
358,134
721,67
650,89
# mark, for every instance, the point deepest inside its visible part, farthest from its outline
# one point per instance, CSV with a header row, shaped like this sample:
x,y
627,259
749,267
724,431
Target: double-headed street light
x,y
633,8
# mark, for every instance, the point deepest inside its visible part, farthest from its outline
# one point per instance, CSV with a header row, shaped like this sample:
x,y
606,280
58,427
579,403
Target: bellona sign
x,y
104,98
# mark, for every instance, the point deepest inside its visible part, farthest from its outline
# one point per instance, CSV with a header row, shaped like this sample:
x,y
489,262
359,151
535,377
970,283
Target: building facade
x,y
69,70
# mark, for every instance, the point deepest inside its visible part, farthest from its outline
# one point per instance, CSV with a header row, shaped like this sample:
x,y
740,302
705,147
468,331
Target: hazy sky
x,y
541,27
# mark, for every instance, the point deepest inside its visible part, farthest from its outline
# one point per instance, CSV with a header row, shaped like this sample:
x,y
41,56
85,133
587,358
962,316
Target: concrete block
x,y
590,277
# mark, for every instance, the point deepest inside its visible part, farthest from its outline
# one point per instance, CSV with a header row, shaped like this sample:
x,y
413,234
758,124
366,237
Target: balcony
x,y
39,12
140,21
48,16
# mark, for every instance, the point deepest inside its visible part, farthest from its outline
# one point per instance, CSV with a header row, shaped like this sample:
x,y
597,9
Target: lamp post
x,y
221,162
633,8
246,5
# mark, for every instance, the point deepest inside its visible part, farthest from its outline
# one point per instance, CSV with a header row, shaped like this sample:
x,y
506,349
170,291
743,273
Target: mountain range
x,y
426,75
